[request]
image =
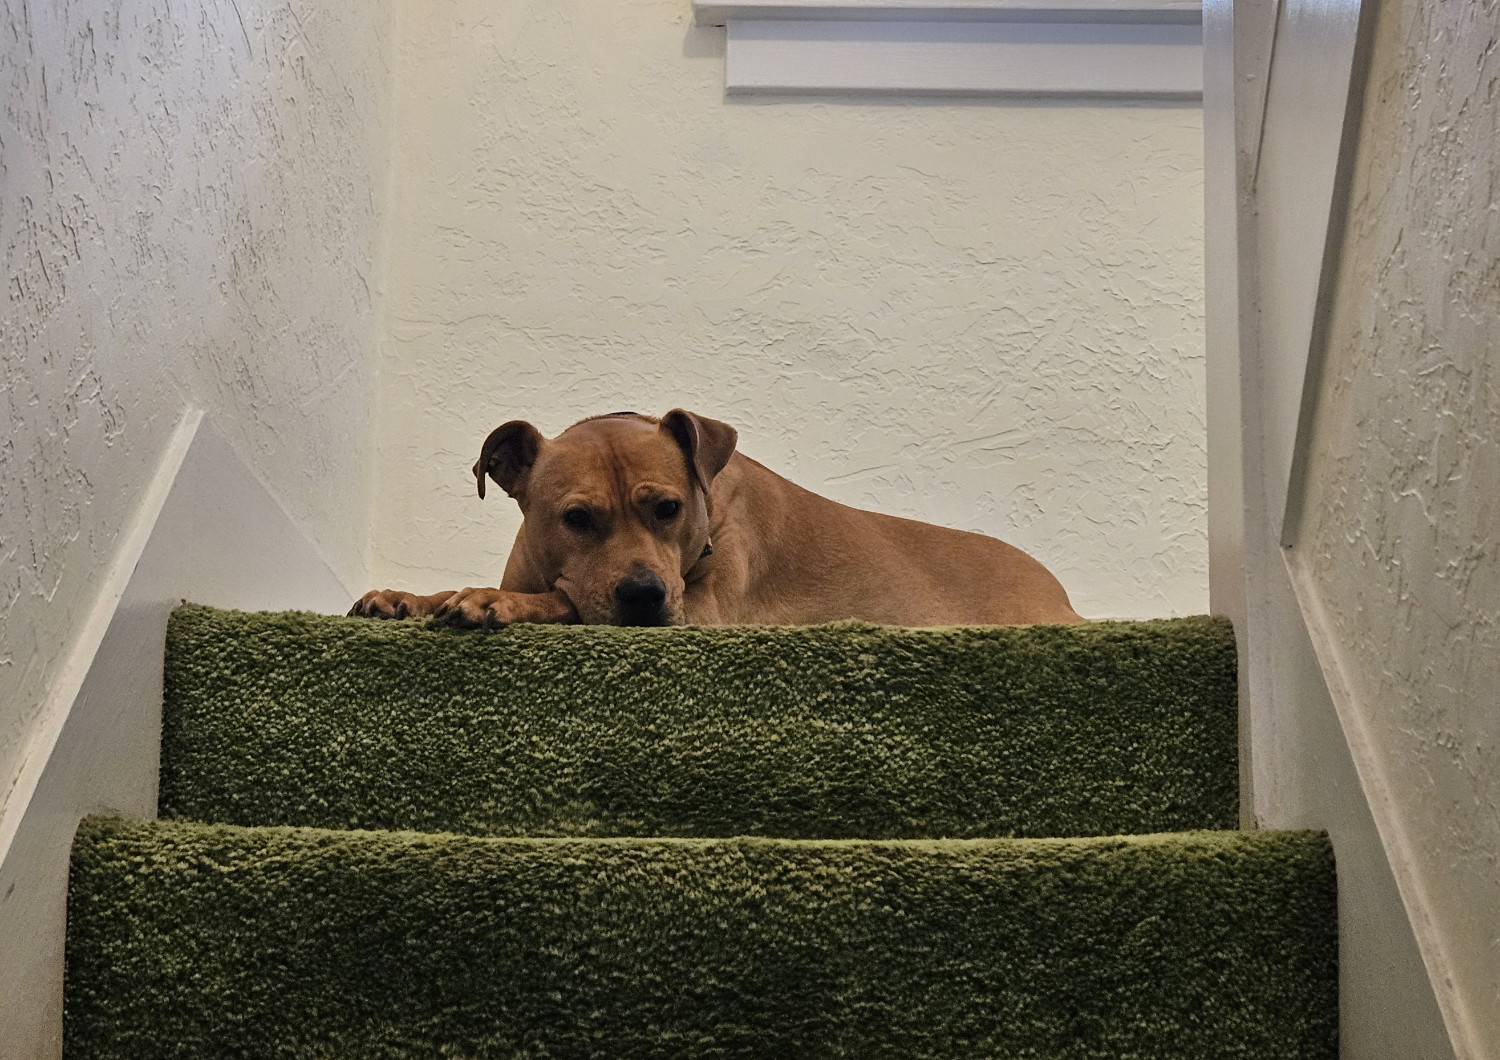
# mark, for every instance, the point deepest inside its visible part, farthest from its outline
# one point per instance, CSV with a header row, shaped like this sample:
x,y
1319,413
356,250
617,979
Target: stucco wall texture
x,y
1402,531
191,207
987,315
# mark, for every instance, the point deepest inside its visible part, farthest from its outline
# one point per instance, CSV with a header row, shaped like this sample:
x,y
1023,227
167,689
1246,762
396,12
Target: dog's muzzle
x,y
641,600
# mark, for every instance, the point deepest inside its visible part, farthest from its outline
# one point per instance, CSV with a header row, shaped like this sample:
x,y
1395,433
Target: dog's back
x,y
816,560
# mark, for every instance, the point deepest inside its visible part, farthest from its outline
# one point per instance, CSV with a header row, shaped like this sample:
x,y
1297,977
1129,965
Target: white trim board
x,y
1384,804
206,530
720,12
1051,59
1142,49
64,691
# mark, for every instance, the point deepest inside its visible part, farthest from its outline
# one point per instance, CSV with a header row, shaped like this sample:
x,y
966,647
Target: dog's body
x,y
631,520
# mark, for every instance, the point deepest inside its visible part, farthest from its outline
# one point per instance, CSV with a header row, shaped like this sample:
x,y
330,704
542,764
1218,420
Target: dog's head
x,y
615,509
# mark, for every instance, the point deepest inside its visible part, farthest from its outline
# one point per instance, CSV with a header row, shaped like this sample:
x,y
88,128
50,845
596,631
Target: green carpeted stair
x,y
844,731
381,839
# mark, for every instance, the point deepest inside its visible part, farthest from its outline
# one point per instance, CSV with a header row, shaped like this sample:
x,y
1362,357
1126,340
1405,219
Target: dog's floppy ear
x,y
507,456
707,444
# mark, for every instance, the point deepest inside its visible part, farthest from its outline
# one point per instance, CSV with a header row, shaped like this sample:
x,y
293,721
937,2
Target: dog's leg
x,y
489,608
393,603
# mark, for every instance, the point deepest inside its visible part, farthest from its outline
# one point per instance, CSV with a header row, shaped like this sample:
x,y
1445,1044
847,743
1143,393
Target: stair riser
x,y
828,732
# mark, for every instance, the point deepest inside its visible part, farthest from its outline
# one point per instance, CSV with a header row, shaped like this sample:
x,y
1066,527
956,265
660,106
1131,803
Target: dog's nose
x,y
640,599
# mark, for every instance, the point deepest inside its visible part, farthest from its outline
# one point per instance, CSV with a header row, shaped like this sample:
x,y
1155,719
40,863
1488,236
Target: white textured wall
x,y
190,204
984,315
1402,531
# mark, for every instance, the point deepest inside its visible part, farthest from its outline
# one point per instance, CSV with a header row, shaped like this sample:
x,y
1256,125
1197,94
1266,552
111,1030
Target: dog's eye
x,y
578,519
666,511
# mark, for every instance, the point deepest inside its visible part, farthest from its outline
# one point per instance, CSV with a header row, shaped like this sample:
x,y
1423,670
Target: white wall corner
x,y
205,530
1121,49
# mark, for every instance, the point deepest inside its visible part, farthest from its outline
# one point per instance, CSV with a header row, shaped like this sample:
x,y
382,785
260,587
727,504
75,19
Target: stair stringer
x,y
205,529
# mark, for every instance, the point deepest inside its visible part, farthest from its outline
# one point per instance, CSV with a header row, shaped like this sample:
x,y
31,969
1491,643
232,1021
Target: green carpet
x,y
822,732
192,940
562,842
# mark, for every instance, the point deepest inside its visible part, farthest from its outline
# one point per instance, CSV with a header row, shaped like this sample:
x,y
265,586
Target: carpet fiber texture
x,y
202,940
821,732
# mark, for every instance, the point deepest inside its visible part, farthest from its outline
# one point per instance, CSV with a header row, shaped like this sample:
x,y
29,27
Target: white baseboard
x,y
206,530
1383,803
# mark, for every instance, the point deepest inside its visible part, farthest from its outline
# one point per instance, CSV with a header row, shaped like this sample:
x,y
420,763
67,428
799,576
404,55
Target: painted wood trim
x,y
1048,59
720,12
1381,797
205,529
64,690
1328,275
1224,320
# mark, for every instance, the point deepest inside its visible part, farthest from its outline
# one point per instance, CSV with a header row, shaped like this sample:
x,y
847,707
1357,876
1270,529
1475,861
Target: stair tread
x,y
308,942
842,730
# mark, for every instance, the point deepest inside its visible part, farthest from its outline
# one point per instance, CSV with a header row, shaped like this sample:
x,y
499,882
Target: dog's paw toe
x,y
385,603
475,609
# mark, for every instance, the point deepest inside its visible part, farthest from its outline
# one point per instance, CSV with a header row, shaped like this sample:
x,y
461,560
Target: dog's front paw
x,y
492,608
393,603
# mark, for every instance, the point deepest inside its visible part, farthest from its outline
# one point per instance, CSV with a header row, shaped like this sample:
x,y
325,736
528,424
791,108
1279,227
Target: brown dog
x,y
630,520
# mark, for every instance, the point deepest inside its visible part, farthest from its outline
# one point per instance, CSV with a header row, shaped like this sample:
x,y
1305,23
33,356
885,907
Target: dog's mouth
x,y
660,619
